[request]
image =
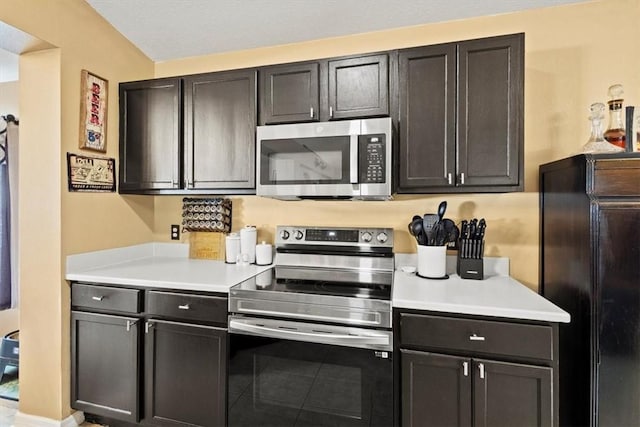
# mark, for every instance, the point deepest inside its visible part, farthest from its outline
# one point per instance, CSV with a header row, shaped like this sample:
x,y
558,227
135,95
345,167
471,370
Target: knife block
x,y
470,262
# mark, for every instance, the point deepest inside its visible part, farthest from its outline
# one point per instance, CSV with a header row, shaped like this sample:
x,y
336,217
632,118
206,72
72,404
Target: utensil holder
x,y
432,262
470,259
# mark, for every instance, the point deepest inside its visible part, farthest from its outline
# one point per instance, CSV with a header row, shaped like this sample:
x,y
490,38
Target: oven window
x,y
290,383
323,160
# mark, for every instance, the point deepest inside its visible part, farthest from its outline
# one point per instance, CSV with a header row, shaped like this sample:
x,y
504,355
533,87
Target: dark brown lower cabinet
x,y
104,365
185,380
148,357
459,370
444,390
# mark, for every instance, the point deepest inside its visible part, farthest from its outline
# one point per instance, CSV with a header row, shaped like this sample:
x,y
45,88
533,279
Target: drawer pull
x,y
481,369
184,307
465,369
311,112
474,337
147,326
97,298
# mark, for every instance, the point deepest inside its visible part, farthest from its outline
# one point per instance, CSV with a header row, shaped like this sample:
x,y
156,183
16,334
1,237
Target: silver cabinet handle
x,y
311,112
462,178
184,307
475,337
97,298
465,369
481,368
449,178
147,326
130,324
331,112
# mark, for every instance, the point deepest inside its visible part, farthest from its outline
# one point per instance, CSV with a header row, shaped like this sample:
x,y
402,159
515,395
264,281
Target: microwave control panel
x,y
372,164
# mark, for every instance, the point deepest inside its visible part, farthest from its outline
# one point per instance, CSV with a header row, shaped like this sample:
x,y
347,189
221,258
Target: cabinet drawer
x,y
617,177
187,307
477,336
106,298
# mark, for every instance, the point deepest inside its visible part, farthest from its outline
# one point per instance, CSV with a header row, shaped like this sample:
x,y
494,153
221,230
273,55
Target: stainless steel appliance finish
x,y
310,340
332,275
341,159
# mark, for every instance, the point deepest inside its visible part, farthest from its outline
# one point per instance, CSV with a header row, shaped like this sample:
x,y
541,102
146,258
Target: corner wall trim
x,y
26,420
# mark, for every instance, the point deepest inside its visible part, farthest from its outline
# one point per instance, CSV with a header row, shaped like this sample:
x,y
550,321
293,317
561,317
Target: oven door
x,y
277,381
308,160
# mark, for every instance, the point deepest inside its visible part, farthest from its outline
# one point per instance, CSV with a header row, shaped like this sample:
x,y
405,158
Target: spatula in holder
x,y
470,259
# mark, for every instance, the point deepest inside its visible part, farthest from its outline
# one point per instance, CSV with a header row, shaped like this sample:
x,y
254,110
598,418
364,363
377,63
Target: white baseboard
x,y
26,420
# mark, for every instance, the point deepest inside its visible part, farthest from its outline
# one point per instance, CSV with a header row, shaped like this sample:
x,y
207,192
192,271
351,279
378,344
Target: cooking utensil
x,y
442,209
451,231
428,222
416,228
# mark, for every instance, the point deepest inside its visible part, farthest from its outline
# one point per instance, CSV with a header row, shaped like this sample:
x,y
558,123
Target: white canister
x,y
232,247
264,254
248,240
432,262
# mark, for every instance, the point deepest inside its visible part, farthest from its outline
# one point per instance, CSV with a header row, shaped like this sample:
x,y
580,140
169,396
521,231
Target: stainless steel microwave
x,y
343,159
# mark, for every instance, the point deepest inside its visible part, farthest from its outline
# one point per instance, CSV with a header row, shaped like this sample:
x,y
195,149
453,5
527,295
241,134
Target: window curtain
x,y
8,283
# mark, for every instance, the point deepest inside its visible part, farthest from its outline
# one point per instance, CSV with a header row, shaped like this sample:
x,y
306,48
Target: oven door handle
x,y
368,338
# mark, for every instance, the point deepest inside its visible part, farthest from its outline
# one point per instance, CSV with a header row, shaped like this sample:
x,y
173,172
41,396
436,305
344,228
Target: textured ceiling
x,y
173,29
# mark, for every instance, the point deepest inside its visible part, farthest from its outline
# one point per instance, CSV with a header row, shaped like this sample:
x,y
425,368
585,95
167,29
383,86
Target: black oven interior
x,y
291,383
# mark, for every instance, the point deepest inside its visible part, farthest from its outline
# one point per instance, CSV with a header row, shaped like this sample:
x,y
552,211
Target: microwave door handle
x,y
353,159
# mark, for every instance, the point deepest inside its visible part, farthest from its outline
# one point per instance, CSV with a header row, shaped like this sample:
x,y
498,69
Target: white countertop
x,y
167,265
158,265
497,295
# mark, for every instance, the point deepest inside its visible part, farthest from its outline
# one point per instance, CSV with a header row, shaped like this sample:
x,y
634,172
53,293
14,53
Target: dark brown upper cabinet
x,y
329,89
359,87
220,124
150,135
461,116
192,134
290,93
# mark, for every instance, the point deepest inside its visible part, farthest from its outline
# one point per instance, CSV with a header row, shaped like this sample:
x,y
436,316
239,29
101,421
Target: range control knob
x,y
284,234
382,237
298,235
366,237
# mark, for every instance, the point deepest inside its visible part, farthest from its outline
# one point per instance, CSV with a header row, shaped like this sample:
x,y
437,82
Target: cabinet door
x,y
185,374
427,117
510,394
290,93
436,389
220,110
490,111
150,135
618,313
359,87
105,365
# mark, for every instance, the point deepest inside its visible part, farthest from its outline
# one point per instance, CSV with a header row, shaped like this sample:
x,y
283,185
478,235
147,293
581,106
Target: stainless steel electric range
x,y
310,339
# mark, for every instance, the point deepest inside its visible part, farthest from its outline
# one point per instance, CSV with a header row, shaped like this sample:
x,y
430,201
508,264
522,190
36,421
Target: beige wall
x,y
53,222
569,52
9,98
566,69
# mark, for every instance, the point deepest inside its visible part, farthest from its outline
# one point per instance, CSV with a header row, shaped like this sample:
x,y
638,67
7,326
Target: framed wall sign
x,y
94,91
90,173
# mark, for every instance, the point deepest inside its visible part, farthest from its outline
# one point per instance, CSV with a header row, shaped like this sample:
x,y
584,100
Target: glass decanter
x,y
615,133
597,143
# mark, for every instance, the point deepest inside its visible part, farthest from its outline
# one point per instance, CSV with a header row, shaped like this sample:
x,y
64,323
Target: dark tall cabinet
x,y
590,267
